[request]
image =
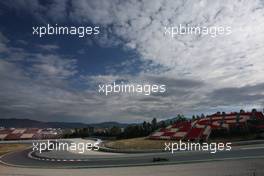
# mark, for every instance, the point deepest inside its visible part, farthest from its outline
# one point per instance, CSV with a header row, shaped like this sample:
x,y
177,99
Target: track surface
x,y
246,167
20,158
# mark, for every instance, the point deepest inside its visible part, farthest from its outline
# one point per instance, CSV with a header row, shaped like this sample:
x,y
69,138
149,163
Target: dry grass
x,y
5,148
137,143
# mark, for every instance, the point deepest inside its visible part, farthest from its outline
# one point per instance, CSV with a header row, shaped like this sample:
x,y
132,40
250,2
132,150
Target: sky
x,y
55,78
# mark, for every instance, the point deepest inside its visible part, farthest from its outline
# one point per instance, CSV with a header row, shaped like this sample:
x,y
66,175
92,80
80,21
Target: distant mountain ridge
x,y
28,123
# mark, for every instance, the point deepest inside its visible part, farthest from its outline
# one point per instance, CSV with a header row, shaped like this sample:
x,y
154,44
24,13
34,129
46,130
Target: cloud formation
x,y
202,73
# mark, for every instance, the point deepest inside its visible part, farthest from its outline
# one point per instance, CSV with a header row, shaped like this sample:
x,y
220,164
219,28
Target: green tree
x,y
115,131
154,124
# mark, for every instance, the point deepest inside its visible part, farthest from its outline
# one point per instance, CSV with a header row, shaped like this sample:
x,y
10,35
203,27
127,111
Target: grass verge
x,y
6,148
137,144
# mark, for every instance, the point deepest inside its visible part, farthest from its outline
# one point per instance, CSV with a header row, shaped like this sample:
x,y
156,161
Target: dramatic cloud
x,y
202,73
228,59
140,25
49,47
244,95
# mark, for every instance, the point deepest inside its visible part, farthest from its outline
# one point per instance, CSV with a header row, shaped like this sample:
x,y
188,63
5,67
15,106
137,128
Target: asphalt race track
x,y
22,159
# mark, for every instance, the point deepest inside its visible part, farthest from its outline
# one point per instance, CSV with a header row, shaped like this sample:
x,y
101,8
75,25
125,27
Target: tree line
x,y
130,131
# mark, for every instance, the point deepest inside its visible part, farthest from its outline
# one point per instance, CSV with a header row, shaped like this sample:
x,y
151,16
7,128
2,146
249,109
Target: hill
x,y
28,123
